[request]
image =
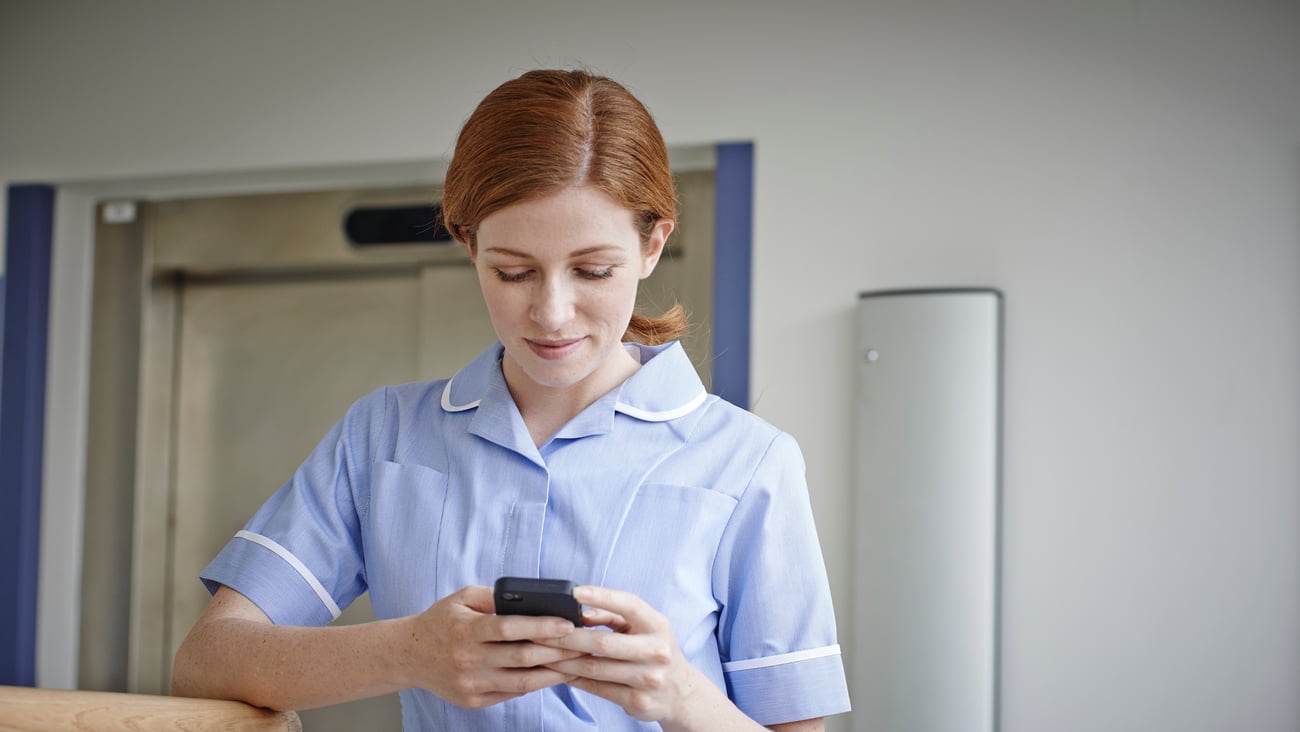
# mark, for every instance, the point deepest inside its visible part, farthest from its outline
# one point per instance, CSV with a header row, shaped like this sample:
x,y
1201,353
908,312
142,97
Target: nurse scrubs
x,y
657,488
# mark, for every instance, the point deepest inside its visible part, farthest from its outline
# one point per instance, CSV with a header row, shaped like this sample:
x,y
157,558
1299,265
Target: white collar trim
x,y
446,400
663,416
628,409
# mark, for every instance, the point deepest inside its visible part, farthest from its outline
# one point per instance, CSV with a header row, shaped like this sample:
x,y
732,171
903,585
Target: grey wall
x,y
1128,173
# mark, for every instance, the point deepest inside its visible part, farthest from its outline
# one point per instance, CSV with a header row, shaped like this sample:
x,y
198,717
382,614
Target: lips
x,y
553,350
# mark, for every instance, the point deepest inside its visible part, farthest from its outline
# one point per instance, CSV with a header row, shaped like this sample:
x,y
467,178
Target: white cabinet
x,y
927,507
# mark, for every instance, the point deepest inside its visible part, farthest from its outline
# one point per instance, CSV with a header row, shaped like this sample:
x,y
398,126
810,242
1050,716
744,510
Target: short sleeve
x,y
776,629
300,557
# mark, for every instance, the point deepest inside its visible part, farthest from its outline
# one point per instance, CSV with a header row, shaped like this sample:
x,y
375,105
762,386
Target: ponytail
x,y
657,331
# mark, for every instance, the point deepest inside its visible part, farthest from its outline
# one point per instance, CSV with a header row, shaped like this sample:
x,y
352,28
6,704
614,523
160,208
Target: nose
x,y
552,307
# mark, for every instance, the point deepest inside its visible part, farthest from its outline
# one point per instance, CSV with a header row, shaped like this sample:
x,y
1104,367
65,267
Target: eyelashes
x,y
589,274
511,276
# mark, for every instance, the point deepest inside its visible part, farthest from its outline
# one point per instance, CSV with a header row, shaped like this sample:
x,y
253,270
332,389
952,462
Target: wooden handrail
x,y
23,709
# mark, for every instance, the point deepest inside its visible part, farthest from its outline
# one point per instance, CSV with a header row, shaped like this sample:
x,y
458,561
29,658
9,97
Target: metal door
x,y
264,368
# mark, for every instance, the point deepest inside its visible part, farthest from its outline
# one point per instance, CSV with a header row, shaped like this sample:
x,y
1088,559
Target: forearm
x,y
285,667
719,714
708,708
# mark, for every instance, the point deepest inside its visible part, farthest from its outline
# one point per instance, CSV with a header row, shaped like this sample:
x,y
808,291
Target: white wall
x,y
1127,173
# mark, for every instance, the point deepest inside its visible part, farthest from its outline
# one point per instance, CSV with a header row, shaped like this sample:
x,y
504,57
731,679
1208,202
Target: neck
x,y
546,409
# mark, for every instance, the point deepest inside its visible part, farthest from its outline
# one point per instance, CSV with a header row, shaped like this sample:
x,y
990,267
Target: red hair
x,y
549,130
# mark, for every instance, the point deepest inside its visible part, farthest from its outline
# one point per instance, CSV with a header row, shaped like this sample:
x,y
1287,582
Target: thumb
x,y
477,598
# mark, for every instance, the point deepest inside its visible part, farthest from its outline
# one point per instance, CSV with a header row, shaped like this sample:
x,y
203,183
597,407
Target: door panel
x,y
264,369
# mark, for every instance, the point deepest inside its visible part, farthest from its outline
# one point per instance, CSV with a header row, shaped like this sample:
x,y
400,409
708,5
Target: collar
x,y
665,388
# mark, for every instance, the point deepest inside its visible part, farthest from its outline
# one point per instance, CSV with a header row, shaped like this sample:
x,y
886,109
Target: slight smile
x,y
553,350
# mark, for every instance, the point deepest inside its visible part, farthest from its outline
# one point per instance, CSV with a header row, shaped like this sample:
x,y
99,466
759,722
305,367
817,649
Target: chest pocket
x,y
405,520
665,553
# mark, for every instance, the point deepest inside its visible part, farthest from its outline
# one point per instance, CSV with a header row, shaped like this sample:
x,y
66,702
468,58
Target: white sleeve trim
x,y
784,658
297,564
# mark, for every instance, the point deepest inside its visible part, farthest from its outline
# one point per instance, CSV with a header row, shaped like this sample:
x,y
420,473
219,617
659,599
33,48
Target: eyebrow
x,y
578,253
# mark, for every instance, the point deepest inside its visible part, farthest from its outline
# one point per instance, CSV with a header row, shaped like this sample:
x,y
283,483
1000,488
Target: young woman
x,y
582,446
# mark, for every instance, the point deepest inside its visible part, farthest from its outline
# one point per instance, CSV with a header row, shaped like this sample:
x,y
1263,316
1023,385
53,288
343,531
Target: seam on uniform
x,y
749,483
505,540
627,508
373,437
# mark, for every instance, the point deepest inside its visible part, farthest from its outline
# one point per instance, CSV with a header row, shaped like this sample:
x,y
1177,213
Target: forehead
x,y
579,216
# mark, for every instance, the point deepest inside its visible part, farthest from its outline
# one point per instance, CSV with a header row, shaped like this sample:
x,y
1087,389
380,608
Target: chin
x,y
551,374
556,378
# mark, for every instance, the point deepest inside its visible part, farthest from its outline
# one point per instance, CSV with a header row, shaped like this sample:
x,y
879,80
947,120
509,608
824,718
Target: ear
x,y
654,248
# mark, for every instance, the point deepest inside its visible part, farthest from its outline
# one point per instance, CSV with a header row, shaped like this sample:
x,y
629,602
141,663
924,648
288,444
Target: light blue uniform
x,y
658,488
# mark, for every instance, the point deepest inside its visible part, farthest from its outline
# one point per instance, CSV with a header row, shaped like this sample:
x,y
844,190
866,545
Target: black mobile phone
x,y
527,596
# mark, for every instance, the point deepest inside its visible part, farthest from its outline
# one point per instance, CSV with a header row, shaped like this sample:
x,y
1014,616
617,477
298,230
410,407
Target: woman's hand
x,y
463,653
639,666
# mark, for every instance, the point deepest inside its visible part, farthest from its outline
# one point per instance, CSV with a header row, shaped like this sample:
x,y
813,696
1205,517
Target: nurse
x,y
581,446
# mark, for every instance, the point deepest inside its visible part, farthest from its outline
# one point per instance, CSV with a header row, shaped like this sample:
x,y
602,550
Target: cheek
x,y
614,304
500,301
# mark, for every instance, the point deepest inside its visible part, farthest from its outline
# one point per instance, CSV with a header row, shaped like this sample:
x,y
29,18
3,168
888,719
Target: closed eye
x,y
596,274
519,276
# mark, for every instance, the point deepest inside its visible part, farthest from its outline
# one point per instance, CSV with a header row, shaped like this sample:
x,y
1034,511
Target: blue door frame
x,y
733,244
29,240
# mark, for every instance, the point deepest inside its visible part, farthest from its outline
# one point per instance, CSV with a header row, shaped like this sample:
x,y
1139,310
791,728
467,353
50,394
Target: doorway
x,y
256,323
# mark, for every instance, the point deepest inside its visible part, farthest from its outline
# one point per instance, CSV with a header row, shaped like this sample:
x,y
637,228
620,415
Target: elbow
x,y
183,682
197,669
201,671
